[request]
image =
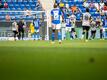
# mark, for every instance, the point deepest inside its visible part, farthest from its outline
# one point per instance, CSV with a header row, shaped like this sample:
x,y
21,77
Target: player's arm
x,y
33,21
90,19
16,27
40,23
81,17
51,16
61,15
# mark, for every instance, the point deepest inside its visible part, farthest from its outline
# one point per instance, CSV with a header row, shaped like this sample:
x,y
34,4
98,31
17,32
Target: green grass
x,y
40,60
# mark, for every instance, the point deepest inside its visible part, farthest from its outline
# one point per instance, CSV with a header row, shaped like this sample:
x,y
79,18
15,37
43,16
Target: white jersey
x,y
14,26
73,18
86,19
93,25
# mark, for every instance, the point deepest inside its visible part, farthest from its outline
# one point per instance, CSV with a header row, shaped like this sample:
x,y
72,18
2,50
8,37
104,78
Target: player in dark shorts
x,y
20,29
86,19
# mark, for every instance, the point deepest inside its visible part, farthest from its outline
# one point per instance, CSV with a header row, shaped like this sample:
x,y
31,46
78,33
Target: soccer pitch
x,y
40,60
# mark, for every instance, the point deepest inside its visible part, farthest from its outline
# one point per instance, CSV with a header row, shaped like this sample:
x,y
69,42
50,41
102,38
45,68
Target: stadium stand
x,y
19,5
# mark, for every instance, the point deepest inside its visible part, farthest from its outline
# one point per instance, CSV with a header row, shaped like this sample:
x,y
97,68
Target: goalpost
x,y
5,26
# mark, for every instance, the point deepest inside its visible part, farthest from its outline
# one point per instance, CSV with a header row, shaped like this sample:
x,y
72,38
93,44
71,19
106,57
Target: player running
x,y
86,20
56,23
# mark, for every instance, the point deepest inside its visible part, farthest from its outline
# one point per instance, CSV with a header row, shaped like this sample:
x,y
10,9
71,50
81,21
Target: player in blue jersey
x,y
56,22
68,22
105,25
36,24
78,15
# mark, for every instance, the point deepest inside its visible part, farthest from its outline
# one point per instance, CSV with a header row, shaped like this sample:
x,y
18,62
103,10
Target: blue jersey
x,y
78,16
102,19
36,23
68,22
105,22
97,15
56,13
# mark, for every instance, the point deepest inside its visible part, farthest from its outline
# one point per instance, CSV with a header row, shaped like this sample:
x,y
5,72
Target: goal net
x,y
7,18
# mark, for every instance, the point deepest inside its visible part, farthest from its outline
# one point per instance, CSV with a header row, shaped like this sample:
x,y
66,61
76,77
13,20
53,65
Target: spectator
x,y
61,5
97,6
57,2
86,4
5,5
1,5
105,9
74,8
27,12
101,4
8,18
91,4
67,6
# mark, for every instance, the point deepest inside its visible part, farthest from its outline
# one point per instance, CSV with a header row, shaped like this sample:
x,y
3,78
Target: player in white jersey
x,y
73,20
56,22
93,29
15,29
86,20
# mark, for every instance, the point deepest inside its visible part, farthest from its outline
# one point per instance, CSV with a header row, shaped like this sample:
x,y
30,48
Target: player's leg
x,y
59,36
71,35
14,35
94,34
83,33
19,34
34,36
91,37
75,33
87,32
38,34
101,33
22,33
53,33
58,27
29,34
